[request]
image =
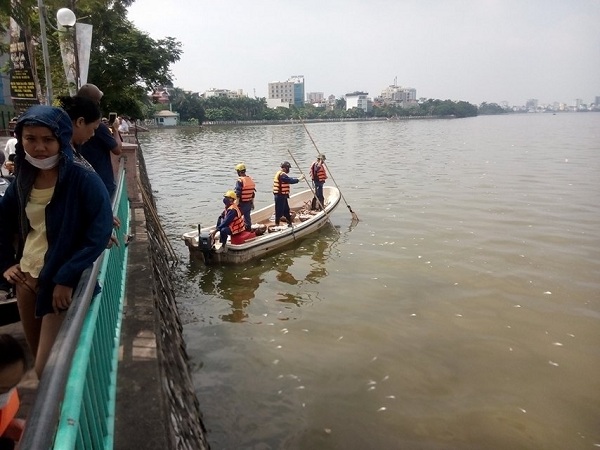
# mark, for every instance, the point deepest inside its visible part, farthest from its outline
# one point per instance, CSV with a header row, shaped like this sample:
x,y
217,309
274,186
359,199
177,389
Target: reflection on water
x,y
239,284
463,311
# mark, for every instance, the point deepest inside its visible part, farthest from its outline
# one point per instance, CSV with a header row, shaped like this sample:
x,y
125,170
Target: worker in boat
x,y
281,192
231,220
245,189
318,174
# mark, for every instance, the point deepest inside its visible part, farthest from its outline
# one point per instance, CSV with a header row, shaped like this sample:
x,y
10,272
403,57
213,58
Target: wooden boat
x,y
267,238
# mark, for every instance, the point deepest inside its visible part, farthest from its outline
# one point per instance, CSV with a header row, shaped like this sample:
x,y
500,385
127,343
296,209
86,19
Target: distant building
x,y
290,91
398,95
275,103
359,100
239,93
315,97
166,118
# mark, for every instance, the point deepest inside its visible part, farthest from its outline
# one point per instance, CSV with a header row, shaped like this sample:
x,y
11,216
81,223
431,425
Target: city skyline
x,y
485,51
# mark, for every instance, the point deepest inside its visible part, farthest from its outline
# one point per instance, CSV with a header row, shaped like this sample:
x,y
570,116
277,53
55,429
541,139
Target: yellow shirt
x,y
36,243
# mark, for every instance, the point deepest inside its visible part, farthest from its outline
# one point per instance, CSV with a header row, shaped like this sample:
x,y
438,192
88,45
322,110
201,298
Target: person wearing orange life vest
x,y
231,220
318,175
245,189
281,192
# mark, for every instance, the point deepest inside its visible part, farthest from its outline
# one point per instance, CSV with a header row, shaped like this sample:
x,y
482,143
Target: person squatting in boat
x,y
231,220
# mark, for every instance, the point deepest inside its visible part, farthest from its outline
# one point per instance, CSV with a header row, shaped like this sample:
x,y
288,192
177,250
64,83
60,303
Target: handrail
x,y
44,416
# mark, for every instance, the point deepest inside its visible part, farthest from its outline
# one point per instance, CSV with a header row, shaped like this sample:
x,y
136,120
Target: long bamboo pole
x,y
312,190
354,216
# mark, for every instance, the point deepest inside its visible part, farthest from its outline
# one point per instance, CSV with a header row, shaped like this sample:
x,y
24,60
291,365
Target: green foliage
x,y
125,62
491,108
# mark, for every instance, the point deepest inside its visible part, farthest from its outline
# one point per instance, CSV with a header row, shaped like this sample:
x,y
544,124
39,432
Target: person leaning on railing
x,y
61,215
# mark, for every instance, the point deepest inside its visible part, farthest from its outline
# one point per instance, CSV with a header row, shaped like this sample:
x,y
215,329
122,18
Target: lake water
x,y
461,312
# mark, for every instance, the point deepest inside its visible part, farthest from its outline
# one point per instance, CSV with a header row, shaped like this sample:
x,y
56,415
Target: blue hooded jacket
x,y
79,217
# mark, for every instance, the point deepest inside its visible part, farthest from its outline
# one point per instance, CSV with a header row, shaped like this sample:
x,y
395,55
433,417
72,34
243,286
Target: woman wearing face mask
x,y
60,213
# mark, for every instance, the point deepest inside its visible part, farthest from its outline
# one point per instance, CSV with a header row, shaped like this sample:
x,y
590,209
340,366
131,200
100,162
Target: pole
x,y
313,192
354,216
45,53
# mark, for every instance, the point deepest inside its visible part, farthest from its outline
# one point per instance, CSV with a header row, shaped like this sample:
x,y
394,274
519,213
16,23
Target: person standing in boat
x,y
245,189
281,192
318,174
231,220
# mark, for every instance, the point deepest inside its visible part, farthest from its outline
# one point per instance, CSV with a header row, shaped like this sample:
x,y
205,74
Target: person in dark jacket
x,y
231,220
55,220
104,143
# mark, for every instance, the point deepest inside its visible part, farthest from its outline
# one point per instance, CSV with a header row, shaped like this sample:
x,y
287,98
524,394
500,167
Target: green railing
x,y
75,403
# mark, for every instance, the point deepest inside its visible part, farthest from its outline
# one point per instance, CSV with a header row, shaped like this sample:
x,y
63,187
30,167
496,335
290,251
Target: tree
x,y
490,108
124,62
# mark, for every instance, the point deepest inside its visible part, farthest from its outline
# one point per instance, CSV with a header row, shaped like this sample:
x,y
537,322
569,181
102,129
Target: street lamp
x,y
65,18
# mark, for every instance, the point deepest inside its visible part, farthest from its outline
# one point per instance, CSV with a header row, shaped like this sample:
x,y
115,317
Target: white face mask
x,y
43,164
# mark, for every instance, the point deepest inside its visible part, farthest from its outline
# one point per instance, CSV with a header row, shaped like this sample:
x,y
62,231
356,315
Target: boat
x,y
265,237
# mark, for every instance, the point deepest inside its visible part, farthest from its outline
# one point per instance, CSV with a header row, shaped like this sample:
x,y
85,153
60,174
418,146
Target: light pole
x,y
65,18
42,12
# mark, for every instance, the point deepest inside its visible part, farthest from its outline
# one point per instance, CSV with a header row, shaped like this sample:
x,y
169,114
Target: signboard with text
x,y
22,84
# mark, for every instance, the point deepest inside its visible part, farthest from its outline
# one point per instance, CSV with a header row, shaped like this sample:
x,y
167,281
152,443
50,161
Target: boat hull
x,y
271,241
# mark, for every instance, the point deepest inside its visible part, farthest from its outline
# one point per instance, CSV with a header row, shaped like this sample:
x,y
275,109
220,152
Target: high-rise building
x,y
290,91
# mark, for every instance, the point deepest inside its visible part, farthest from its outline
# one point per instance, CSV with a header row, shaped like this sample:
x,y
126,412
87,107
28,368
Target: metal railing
x,y
75,401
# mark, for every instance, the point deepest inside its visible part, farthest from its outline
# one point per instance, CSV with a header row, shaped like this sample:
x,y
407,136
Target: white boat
x,y
204,244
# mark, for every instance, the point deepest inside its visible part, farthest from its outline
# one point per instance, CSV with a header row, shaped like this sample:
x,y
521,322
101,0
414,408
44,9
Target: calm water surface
x,y
463,311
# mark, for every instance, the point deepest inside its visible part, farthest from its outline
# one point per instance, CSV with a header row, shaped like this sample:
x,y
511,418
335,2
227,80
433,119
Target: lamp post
x,y
42,12
65,18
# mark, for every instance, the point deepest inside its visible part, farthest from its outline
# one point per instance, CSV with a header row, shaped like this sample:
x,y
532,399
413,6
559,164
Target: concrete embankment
x,y
156,407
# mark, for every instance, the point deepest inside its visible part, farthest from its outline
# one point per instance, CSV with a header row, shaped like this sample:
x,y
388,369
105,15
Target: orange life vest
x,y
248,188
237,226
321,174
279,187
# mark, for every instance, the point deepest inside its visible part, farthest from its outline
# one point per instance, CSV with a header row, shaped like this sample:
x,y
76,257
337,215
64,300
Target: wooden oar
x,y
354,216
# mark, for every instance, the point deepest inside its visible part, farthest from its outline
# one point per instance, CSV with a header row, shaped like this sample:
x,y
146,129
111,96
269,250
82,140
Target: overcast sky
x,y
472,50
